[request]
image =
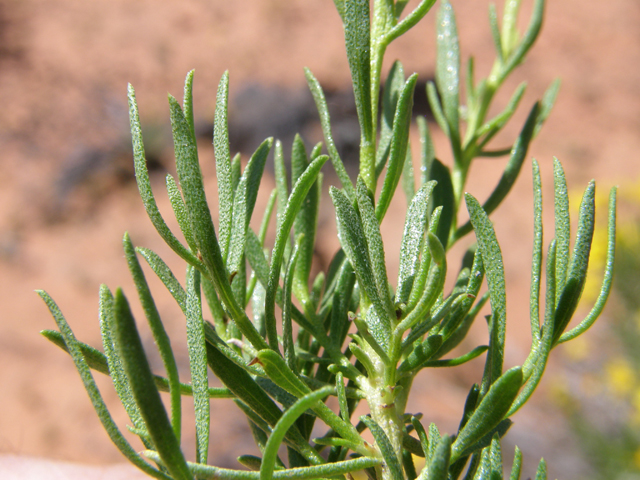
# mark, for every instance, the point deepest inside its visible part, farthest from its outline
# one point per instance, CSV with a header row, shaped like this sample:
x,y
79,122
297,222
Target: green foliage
x,y
281,365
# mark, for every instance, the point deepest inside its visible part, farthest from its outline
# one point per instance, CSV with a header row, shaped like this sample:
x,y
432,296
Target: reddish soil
x,y
64,67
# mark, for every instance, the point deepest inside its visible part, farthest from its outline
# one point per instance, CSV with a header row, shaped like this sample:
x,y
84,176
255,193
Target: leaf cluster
x,y
349,332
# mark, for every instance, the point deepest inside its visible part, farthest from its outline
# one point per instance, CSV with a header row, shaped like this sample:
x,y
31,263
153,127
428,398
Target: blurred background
x,y
67,192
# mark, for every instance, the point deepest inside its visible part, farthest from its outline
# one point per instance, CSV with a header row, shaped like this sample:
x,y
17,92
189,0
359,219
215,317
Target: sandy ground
x,y
67,195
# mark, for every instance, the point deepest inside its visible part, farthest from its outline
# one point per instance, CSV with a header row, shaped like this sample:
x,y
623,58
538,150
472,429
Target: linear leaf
x,y
244,201
144,184
536,261
115,368
165,274
192,185
511,171
398,148
145,392
448,72
392,88
223,162
306,222
412,241
157,329
198,364
279,372
351,234
563,227
285,422
294,202
443,196
577,271
325,123
287,325
384,444
492,259
490,412
608,276
439,464
357,37
180,212
373,239
238,380
72,346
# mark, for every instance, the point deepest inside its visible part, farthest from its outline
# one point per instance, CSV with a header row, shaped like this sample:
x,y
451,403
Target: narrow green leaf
x,y
422,435
531,34
352,239
294,202
279,372
306,222
357,36
287,325
510,25
145,392
342,397
244,201
425,264
541,473
398,149
577,275
492,259
516,467
448,72
454,362
496,457
439,464
325,123
427,153
144,184
408,181
495,31
443,196
563,227
536,261
115,368
96,360
433,287
607,280
490,412
195,199
285,422
223,163
546,104
373,239
392,88
198,364
421,353
392,462
73,347
188,102
159,333
180,212
511,171
246,389
412,241
492,127
436,107
165,274
410,20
